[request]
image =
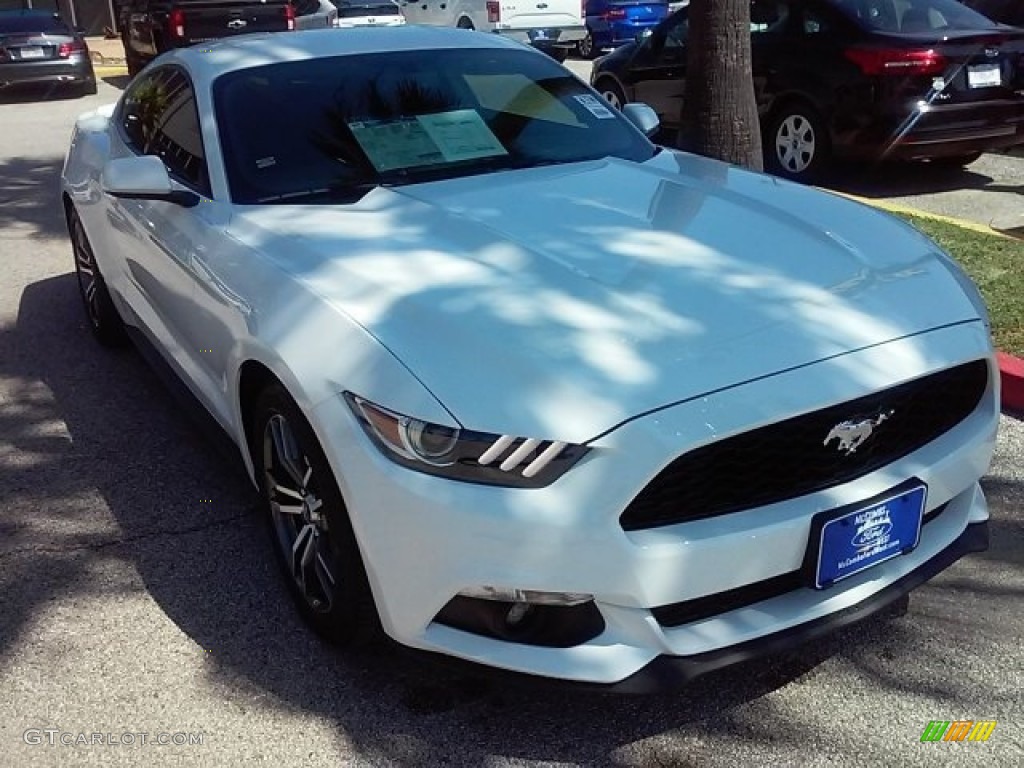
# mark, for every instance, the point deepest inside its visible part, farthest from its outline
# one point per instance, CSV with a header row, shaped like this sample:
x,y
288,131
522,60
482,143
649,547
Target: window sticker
x,y
595,106
461,135
391,144
445,137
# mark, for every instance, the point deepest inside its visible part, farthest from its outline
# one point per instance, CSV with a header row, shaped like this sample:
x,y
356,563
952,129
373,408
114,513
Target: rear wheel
x,y
796,143
104,321
586,46
558,54
611,92
132,61
309,524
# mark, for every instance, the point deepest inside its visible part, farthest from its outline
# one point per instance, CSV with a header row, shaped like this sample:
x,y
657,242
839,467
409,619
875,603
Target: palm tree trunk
x,y
719,116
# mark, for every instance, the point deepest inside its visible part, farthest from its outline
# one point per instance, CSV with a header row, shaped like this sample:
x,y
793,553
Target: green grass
x,y
996,264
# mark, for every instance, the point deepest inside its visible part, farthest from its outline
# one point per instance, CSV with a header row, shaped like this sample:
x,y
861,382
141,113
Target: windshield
x,y
334,127
32,23
913,16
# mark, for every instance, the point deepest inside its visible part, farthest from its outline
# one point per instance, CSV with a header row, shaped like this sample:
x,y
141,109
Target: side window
x,y
816,22
159,117
768,16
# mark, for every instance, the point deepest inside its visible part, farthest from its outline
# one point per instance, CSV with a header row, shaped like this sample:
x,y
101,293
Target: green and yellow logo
x,y
958,730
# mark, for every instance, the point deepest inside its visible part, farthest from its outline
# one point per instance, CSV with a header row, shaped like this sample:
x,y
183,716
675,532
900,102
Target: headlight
x,y
459,454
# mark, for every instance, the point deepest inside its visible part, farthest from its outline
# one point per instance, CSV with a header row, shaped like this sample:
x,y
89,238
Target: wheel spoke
x,y
286,491
302,554
287,451
286,509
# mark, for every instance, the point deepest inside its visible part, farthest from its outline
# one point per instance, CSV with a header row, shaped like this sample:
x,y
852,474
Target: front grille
x,y
790,458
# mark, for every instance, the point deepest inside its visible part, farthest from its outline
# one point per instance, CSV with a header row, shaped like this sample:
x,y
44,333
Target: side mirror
x,y
143,177
643,117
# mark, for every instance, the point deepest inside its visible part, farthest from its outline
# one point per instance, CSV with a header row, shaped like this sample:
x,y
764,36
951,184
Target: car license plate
x,y
847,541
31,53
984,76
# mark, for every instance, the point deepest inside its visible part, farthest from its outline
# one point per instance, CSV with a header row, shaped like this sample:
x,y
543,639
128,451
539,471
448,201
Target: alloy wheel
x,y
612,97
87,272
795,144
299,516
586,46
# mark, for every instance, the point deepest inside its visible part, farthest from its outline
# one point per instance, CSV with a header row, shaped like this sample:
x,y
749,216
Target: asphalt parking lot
x,y
137,595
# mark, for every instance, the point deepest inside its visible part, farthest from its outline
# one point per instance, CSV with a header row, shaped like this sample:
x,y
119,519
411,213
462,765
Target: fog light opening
x,y
548,619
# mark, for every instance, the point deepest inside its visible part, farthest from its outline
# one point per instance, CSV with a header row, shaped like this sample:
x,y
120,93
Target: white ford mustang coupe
x,y
518,386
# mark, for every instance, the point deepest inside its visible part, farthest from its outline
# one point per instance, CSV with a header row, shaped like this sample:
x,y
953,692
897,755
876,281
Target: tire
x,y
796,144
465,23
104,321
558,54
585,47
611,92
311,536
132,61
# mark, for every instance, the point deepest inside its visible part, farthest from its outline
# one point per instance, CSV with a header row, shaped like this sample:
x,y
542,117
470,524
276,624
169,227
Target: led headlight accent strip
x,y
461,454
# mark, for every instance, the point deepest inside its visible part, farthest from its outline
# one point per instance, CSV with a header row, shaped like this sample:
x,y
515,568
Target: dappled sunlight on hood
x,y
525,310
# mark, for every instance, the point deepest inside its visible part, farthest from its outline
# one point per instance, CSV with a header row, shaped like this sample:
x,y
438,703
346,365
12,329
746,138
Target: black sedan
x,y
1004,11
866,79
38,47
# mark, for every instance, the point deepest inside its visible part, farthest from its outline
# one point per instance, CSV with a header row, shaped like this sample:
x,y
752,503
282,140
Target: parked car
x,y
39,47
368,13
868,79
151,27
611,23
515,384
555,26
1004,11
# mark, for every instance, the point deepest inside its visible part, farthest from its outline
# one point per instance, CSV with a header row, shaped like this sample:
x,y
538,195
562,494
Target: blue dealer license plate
x,y
849,542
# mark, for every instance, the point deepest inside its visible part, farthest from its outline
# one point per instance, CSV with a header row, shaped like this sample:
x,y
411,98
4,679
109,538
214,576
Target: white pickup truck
x,y
554,26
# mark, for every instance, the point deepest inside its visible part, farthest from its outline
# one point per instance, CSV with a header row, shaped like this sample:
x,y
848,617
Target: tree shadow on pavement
x,y
117,81
208,565
903,179
29,191
182,519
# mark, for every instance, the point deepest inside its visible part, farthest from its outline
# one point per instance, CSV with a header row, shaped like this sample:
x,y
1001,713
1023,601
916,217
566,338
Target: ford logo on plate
x,y
874,535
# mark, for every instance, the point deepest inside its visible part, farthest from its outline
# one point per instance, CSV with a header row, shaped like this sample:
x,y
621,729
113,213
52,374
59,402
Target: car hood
x,y
558,302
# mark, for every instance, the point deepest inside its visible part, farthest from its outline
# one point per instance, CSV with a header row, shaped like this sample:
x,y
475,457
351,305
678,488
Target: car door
x,y
659,66
161,242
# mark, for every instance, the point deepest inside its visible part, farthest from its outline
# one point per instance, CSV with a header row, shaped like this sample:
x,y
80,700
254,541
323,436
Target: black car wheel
x,y
310,528
132,61
796,143
104,320
586,46
611,92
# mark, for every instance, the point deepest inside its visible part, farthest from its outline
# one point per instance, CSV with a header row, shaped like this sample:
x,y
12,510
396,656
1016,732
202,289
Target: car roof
x,y
210,60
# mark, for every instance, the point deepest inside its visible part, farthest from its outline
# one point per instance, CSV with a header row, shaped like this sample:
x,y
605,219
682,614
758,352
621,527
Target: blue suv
x,y
611,23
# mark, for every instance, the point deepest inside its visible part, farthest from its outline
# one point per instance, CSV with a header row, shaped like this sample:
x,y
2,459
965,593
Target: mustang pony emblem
x,y
851,434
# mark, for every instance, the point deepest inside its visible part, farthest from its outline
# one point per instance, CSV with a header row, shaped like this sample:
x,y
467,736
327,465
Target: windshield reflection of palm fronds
x,y
404,98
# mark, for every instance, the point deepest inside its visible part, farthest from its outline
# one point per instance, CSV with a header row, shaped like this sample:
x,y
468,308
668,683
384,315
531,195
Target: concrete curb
x,y
110,71
1011,374
1011,368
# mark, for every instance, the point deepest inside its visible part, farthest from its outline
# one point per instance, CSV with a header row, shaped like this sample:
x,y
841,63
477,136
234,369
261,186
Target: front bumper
x,y
424,539
76,69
